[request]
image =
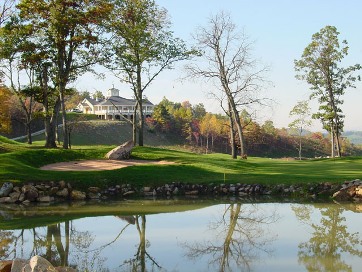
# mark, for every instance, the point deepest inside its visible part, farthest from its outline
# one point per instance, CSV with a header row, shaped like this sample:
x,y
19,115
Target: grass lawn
x,y
20,163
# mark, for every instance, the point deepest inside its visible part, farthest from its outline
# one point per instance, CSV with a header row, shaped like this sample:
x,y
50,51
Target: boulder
x,y
46,199
5,266
30,192
6,189
63,193
122,152
77,195
18,265
39,264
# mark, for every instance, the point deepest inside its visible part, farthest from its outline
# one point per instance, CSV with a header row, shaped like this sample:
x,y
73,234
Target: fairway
x,y
21,163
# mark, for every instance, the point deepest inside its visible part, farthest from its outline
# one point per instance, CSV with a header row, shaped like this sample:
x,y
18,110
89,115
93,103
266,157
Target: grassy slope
x,y
21,163
100,132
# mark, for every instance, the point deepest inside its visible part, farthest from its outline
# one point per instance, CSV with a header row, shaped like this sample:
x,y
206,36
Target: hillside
x,y
101,132
355,137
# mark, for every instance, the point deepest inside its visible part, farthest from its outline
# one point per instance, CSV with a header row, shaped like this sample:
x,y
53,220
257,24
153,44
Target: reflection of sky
x,y
167,233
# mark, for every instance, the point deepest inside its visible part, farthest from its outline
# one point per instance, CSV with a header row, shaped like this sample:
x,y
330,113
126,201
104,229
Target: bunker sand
x,y
98,165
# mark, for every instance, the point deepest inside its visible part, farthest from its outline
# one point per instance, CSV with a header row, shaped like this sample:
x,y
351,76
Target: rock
x,y
46,199
78,195
192,193
6,189
129,193
7,199
359,192
30,192
121,152
94,190
14,196
53,190
344,194
18,265
94,195
27,268
63,193
22,197
62,184
39,264
146,189
5,266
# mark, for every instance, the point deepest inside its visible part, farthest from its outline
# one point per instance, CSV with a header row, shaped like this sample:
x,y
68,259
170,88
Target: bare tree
x,y
6,10
231,68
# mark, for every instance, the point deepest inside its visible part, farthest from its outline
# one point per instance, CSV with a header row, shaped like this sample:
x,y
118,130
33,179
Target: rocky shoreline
x,y
61,191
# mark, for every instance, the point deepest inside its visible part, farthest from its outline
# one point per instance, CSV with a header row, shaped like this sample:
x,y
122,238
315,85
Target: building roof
x,y
118,101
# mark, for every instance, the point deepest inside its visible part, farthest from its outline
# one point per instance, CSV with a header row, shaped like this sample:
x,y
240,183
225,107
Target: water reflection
x,y
138,263
240,236
330,239
198,237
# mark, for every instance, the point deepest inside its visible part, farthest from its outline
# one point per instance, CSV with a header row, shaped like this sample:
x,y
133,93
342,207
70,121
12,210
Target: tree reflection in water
x,y
240,236
53,243
139,262
330,239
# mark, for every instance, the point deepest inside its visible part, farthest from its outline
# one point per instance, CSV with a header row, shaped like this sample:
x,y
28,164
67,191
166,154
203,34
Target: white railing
x,y
125,112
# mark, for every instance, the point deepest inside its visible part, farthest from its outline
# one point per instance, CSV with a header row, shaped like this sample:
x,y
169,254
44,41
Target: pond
x,y
186,235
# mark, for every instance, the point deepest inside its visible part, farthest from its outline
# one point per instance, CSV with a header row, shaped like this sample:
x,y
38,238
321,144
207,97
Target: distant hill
x,y
355,137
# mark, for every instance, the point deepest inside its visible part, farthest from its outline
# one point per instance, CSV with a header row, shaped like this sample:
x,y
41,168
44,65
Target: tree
x,y
18,66
198,111
231,69
5,117
98,95
6,10
320,67
70,32
142,46
301,112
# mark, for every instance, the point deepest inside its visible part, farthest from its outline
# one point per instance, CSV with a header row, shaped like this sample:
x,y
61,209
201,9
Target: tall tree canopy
x,y
301,115
320,67
230,67
142,46
68,31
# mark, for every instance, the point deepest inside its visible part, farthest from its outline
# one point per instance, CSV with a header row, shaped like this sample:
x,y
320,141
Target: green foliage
x,y
320,67
142,47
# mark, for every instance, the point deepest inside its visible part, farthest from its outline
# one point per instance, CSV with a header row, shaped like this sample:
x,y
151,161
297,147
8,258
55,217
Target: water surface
x,y
186,235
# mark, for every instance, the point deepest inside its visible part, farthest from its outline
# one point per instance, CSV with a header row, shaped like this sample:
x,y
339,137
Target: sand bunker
x,y
97,165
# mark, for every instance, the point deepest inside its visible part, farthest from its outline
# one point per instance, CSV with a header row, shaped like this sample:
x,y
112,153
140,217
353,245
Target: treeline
x,y
208,132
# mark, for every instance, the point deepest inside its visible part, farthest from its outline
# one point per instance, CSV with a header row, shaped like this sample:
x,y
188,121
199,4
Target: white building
x,y
113,106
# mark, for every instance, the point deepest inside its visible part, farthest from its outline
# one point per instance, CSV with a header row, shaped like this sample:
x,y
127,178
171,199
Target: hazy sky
x,y
281,30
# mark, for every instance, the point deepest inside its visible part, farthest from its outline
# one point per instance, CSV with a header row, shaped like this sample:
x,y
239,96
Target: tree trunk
x,y
134,124
28,131
232,139
332,143
49,132
139,101
53,125
300,143
207,143
140,124
64,117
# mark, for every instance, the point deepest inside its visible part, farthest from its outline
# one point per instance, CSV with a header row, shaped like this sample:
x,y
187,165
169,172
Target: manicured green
x,y
21,163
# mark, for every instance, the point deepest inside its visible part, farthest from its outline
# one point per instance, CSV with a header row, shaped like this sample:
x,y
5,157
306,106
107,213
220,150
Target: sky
x,y
281,30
